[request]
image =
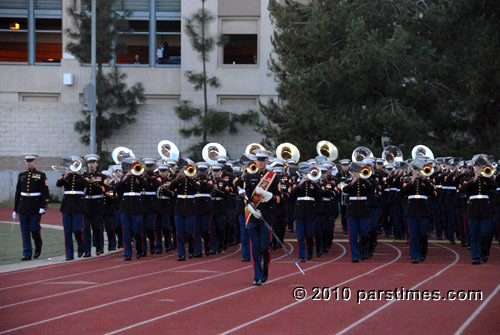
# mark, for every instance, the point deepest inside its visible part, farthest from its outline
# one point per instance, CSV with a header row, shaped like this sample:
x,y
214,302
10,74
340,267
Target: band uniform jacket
x,y
73,203
149,198
28,182
130,189
419,207
218,197
166,200
266,208
95,192
359,189
480,208
185,189
203,200
306,196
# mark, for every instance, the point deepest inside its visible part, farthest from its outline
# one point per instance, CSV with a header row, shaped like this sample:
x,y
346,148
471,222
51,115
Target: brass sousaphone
x,y
211,151
327,149
168,150
286,151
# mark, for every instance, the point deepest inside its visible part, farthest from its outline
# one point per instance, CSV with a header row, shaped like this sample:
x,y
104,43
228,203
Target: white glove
x,y
255,212
14,215
266,196
241,192
41,211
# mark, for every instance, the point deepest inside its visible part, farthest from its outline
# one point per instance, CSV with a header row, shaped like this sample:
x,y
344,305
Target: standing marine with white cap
x,y
32,196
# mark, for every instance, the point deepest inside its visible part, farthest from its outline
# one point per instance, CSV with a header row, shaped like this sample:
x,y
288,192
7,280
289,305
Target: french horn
x,y
168,150
287,151
211,151
327,149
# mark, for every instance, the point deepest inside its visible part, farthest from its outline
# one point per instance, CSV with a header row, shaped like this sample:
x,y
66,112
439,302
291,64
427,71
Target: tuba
x,y
314,173
211,151
392,154
249,150
421,151
360,153
327,149
286,151
121,153
168,150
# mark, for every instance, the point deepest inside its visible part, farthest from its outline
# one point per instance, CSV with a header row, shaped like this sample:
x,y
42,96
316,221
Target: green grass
x,y
11,248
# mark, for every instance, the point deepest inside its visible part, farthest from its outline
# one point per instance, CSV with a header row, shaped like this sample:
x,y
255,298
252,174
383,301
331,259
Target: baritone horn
x,y
286,151
249,150
121,153
392,154
211,151
327,149
421,151
360,153
168,150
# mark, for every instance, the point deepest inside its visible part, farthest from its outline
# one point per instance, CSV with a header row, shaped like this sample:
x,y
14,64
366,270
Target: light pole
x,y
93,113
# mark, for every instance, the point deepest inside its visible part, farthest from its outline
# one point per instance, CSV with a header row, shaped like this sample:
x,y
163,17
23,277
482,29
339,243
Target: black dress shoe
x,y
302,260
37,253
190,256
245,259
355,260
181,259
264,279
257,282
139,255
415,260
128,258
309,257
69,258
158,252
98,252
476,261
26,258
86,255
318,254
80,253
484,258
152,251
112,249
197,255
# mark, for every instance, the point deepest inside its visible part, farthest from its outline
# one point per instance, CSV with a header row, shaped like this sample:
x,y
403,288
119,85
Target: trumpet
x,y
366,172
190,170
137,168
252,167
488,171
428,170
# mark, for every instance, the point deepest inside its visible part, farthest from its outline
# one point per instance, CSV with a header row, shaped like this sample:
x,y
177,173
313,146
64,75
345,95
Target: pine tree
x,y
206,120
117,105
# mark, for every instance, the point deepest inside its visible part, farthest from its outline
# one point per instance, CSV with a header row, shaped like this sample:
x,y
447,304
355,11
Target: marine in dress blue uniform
x,y
31,198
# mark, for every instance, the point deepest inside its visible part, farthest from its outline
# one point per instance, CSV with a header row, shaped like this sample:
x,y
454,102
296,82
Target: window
x,y
168,36
241,41
14,39
137,44
48,40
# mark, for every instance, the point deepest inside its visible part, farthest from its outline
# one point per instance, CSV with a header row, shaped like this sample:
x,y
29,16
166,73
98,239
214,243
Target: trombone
x,y
73,164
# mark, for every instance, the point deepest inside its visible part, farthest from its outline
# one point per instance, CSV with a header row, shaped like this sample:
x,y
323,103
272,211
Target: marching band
x,y
165,204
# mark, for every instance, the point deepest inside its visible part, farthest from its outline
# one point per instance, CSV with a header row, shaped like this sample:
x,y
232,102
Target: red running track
x,y
213,295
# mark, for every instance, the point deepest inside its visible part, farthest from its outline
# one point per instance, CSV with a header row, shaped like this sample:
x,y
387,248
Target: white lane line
x,y
457,257
128,298
477,311
301,301
220,297
43,225
113,282
88,272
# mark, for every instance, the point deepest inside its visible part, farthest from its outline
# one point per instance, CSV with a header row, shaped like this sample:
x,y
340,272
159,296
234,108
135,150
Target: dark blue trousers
x,y
449,215
131,224
245,240
184,226
418,227
72,223
30,226
358,236
480,229
305,230
149,231
260,238
93,222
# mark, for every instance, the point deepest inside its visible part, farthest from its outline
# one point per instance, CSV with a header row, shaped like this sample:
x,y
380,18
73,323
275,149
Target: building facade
x,y
41,91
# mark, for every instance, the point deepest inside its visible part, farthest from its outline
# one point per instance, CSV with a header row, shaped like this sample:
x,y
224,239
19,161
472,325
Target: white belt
x,y
449,188
218,198
358,198
97,196
479,196
327,199
191,196
498,189
35,194
439,186
306,199
74,192
149,193
387,190
164,197
395,189
203,195
132,194
417,196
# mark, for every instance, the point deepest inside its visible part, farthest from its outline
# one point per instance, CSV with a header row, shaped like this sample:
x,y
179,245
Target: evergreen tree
x,y
206,120
354,71
117,105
